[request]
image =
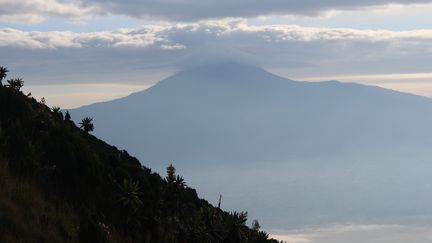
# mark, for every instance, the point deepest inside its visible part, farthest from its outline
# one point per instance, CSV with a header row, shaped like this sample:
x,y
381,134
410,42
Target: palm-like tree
x,y
211,229
15,83
87,124
57,112
3,73
180,183
262,237
129,196
237,229
55,109
176,181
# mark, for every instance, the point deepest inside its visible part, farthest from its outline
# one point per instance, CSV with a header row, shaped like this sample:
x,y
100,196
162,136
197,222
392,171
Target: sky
x,y
76,52
358,234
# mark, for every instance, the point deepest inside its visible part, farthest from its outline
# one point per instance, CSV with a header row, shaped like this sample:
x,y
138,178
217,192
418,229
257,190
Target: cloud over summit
x,y
299,51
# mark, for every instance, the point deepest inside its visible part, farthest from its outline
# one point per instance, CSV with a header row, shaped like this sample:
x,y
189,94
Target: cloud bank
x,y
139,38
192,10
34,11
69,57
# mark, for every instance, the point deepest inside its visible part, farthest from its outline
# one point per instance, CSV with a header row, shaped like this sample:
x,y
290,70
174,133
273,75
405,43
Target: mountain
x,y
302,153
60,184
229,112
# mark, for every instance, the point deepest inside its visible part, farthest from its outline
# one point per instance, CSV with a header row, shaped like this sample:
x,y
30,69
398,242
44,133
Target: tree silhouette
x,y
171,176
211,226
15,84
180,183
57,112
87,124
129,194
255,225
55,109
255,232
237,229
3,74
67,116
129,199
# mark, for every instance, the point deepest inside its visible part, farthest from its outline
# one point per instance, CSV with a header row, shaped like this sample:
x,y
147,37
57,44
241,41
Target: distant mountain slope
x,y
238,112
60,184
303,153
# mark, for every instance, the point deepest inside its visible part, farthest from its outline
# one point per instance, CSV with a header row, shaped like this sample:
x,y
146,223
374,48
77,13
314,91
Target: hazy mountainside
x,y
237,112
60,184
362,152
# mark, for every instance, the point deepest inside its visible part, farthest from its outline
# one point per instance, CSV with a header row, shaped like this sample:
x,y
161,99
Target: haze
x,y
247,105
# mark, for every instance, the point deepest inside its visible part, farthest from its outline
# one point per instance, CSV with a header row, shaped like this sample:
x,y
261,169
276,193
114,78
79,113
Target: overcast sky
x,y
79,52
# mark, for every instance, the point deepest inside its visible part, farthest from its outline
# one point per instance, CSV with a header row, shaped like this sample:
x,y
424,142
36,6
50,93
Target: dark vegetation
x,y
58,183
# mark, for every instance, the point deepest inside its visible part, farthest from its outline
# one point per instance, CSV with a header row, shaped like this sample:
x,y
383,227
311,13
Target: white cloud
x,y
144,37
197,33
35,11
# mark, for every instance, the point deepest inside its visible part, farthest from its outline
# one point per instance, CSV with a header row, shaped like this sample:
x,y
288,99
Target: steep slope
x,y
60,184
362,152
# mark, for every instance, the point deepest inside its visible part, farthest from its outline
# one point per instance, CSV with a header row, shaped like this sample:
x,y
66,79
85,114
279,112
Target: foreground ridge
x,y
59,183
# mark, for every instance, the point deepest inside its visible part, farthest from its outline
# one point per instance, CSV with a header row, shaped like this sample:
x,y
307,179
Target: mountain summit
x,y
326,141
235,112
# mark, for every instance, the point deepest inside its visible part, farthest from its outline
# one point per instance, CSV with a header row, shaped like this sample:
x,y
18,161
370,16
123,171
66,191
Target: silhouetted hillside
x,y
60,184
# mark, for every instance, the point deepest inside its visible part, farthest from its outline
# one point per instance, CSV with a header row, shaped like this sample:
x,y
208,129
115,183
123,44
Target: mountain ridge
x,y
202,71
201,89
224,120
